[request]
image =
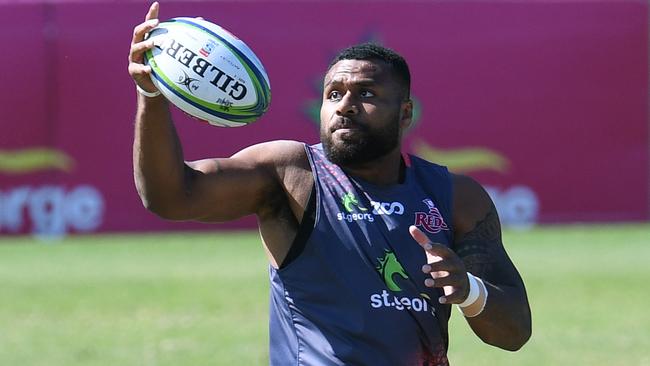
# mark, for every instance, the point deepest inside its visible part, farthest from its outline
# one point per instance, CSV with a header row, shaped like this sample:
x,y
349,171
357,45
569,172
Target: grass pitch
x,y
202,299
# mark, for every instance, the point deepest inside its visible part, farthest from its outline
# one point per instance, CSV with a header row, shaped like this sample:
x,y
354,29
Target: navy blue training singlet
x,y
355,294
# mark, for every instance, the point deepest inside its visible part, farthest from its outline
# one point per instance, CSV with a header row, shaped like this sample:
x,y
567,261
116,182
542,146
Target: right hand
x,y
447,270
140,72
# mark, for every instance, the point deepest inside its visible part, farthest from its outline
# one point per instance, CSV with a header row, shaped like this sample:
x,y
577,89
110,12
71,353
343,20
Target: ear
x,y
406,115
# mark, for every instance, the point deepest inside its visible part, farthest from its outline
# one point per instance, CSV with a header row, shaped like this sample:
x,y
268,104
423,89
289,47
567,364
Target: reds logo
x,y
431,221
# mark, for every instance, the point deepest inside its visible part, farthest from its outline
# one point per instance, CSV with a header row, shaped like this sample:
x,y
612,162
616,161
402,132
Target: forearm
x,y
158,166
505,321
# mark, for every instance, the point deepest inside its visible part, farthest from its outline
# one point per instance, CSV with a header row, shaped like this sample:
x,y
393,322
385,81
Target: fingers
x,y
437,270
154,9
138,71
450,277
441,278
445,268
150,21
136,54
454,284
142,29
434,251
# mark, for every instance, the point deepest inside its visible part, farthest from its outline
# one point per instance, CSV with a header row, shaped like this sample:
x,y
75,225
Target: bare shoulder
x,y
279,153
471,203
287,162
274,150
273,156
253,180
287,159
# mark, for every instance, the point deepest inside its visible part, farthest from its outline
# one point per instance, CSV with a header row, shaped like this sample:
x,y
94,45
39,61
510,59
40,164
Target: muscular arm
x,y
206,190
272,180
506,320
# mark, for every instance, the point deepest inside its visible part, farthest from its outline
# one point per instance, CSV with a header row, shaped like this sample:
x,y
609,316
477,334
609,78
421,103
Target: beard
x,y
365,145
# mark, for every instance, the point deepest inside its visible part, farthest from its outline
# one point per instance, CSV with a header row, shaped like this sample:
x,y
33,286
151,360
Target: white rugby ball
x,y
207,72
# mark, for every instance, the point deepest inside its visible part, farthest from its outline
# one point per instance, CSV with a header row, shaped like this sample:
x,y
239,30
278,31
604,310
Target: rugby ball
x,y
208,72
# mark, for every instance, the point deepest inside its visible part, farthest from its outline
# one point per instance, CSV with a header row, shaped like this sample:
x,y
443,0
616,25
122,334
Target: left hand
x,y
447,270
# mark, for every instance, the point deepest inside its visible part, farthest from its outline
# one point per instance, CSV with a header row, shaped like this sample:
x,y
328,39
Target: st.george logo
x,y
391,271
431,221
388,267
350,202
354,210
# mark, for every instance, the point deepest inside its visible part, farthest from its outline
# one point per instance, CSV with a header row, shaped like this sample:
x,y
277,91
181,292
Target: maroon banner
x,y
545,103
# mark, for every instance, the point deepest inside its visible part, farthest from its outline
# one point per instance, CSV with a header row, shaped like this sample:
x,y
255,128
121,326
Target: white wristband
x,y
473,291
477,298
146,93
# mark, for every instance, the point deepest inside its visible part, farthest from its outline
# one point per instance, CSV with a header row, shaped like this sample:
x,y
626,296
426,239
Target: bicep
x,y
228,188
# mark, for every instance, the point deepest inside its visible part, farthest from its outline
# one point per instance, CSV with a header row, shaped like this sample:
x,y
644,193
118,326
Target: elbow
x,y
160,203
520,342
516,343
162,209
517,328
514,340
169,201
513,343
155,208
525,335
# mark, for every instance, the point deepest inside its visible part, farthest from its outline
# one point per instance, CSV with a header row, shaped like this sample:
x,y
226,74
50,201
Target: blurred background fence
x,y
544,102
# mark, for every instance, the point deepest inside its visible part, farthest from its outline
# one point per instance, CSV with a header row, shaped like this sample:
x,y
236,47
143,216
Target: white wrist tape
x,y
473,291
476,299
146,93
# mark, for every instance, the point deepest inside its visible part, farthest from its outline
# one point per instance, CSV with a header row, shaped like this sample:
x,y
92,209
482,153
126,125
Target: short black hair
x,y
374,51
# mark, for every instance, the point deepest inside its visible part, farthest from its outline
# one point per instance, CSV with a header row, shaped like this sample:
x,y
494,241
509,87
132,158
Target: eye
x,y
367,94
334,95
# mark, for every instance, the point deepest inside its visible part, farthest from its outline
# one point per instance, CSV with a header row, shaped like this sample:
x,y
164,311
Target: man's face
x,y
363,113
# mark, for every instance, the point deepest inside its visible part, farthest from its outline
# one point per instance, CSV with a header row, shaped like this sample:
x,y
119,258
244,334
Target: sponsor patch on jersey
x,y
387,208
353,210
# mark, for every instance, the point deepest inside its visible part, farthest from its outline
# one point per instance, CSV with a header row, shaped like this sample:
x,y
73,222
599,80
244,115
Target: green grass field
x,y
202,299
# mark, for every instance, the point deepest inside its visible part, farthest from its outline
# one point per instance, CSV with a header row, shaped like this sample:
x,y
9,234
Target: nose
x,y
347,105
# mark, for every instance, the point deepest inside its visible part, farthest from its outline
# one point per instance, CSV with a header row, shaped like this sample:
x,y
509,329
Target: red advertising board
x,y
544,102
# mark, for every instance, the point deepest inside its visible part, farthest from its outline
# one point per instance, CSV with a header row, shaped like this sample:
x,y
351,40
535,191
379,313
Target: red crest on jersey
x,y
431,221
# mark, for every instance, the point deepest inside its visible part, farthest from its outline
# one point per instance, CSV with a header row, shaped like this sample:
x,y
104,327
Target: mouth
x,y
348,134
345,125
345,130
342,134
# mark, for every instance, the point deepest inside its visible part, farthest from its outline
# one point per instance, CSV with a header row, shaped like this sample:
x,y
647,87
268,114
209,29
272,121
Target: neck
x,y
385,170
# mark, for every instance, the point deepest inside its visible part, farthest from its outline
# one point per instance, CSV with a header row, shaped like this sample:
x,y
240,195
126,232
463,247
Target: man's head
x,y
366,104
373,51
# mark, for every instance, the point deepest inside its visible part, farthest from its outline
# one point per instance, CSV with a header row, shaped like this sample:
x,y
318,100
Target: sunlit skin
x,y
363,116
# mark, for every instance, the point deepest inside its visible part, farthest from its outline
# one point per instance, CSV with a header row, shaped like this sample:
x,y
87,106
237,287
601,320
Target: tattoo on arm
x,y
477,247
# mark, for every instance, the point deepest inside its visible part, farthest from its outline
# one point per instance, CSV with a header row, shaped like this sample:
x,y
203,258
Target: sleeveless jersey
x,y
355,294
